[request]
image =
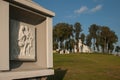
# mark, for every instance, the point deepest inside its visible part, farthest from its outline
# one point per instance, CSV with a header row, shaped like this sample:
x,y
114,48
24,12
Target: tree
x,y
88,40
97,43
55,39
77,30
104,37
67,45
93,30
107,39
55,45
117,49
82,39
112,39
110,47
62,32
71,43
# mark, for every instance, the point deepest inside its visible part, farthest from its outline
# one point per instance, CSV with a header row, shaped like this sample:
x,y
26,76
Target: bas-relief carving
x,y
23,41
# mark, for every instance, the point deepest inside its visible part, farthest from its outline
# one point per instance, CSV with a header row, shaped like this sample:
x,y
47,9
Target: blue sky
x,y
87,12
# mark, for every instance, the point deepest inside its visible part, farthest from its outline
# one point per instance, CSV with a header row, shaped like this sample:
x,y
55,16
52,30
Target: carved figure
x,y
28,42
25,39
21,40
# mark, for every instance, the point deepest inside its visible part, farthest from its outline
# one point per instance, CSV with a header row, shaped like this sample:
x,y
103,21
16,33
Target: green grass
x,y
86,67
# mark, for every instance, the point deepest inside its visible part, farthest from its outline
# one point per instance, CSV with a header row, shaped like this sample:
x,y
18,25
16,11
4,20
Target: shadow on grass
x,y
58,75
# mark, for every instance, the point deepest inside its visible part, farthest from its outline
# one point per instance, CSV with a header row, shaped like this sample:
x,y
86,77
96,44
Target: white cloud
x,y
97,8
85,9
81,10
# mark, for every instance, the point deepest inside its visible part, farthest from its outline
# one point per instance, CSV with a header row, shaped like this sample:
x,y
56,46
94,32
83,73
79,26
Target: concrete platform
x,y
25,74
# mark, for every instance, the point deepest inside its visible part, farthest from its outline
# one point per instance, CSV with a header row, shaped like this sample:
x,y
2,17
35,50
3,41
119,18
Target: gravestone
x,y
26,40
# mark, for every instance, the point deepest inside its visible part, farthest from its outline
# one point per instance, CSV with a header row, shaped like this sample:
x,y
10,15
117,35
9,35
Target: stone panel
x,y
22,43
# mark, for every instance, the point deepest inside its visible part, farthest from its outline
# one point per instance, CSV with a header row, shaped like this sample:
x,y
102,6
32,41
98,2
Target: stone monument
x,y
22,41
82,48
26,40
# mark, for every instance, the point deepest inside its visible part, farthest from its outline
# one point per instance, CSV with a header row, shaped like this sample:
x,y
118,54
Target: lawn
x,y
86,67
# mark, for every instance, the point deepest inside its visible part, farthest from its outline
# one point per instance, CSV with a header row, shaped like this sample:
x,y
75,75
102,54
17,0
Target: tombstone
x,y
80,45
61,51
26,40
67,51
75,48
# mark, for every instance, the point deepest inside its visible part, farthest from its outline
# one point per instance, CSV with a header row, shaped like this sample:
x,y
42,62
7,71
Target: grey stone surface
x,y
22,41
4,35
26,40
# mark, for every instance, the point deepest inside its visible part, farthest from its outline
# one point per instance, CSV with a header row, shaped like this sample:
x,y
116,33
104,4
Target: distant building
x,y
82,47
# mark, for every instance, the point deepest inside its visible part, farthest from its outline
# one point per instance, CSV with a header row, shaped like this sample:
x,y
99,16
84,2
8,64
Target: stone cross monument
x,y
25,40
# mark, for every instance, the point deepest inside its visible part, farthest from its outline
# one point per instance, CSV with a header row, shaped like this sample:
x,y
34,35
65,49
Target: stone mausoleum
x,y
25,41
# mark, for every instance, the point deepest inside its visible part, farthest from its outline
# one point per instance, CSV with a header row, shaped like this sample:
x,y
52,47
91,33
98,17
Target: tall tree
x,y
55,45
107,38
104,37
88,40
82,39
117,49
77,30
93,32
71,43
62,32
112,38
67,45
55,39
98,39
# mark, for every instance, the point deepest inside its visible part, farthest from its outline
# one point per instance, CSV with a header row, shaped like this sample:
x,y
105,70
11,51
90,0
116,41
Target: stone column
x,y
49,42
44,43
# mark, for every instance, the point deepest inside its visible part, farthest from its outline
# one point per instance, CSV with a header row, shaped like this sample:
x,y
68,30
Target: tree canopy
x,y
100,38
62,32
